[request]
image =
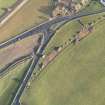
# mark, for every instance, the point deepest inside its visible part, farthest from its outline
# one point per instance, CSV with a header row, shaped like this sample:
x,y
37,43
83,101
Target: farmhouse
x,y
68,7
64,7
60,10
67,3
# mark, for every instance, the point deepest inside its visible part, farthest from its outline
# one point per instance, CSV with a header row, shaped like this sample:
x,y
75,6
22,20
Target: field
x,y
5,4
32,13
70,29
93,6
27,16
10,82
75,77
17,50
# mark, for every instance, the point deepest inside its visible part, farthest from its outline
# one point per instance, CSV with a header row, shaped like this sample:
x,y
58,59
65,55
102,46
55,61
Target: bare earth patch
x,y
18,49
30,14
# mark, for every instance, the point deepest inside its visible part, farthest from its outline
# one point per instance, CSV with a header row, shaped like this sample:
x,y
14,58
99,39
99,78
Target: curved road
x,y
42,28
15,62
46,25
36,57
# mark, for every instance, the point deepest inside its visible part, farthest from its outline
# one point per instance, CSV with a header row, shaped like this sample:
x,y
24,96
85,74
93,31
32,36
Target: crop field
x,y
10,82
5,4
31,14
75,77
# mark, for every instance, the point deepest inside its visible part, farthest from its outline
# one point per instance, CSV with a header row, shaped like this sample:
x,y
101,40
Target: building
x,y
102,2
85,31
78,7
60,10
85,2
67,3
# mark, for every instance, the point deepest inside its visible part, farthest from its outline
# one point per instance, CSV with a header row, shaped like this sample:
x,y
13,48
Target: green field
x,y
34,12
75,77
64,33
5,4
10,82
93,6
31,14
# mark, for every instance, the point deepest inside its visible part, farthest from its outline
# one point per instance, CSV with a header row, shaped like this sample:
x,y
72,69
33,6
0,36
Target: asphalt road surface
x,y
36,56
46,25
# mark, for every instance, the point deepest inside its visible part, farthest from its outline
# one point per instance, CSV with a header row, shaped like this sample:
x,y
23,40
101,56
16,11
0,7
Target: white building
x,y
103,2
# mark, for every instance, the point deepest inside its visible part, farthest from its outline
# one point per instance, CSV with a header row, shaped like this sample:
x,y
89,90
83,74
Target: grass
x,y
71,28
17,50
75,77
32,13
68,77
93,6
64,33
5,4
10,82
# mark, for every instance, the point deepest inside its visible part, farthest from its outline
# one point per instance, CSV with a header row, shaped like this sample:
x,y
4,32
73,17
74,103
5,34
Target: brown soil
x,y
18,49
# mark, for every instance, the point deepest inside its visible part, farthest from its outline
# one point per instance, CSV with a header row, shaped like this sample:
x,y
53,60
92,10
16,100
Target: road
x,y
36,56
15,62
46,25
41,28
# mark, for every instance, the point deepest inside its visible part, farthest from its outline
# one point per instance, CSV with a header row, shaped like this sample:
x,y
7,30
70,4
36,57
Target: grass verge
x,y
75,77
5,4
9,83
